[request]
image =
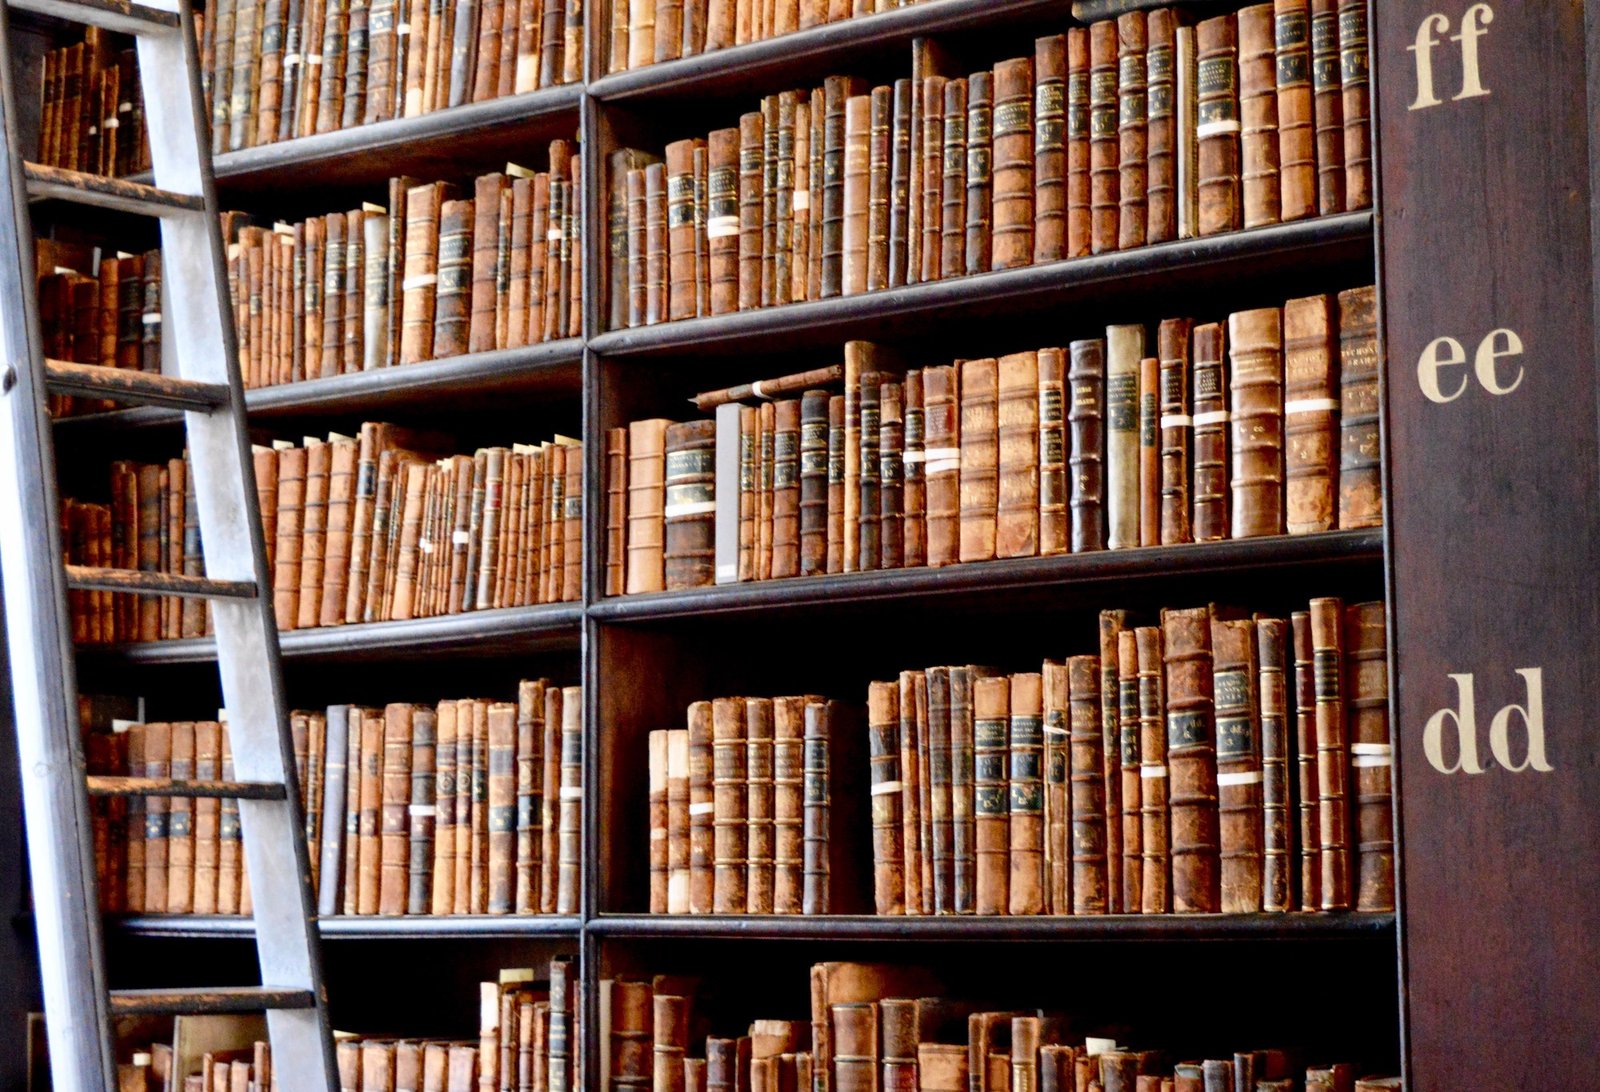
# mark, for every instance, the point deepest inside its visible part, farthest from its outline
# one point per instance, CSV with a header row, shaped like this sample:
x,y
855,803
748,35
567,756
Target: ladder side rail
x,y
198,323
43,672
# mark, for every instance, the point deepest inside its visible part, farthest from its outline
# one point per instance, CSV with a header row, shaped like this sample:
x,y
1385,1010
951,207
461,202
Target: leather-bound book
x,y
631,1034
385,58
1210,434
1090,853
369,849
836,483
641,31
1127,772
942,462
749,491
991,702
752,198
980,170
206,816
422,223
730,790
781,190
1191,760
682,274
485,256
979,446
1086,458
291,507
1079,218
1132,129
1052,451
913,704
1360,482
766,456
1258,116
394,798
1272,651
502,807
868,510
1356,83
333,293
659,742
569,813
1018,506
903,221
616,509
655,247
1333,752
374,288
1013,164
701,806
1161,70
677,821
952,249
1057,790
963,785
1154,836
646,505
1371,755
150,523
722,219
1255,344
897,1020
788,794
891,451
1217,126
1049,149
671,1040
759,814
817,822
313,533
1236,670
888,846
813,483
1308,831
1379,1084
531,700
928,155
1310,411
1217,1075
855,1047
941,826
668,30
637,281
690,507
942,1067
837,91
1026,803
879,153
771,121
157,816
1327,86
1124,351
857,194
802,206
1149,452
1104,144
1172,345
1297,147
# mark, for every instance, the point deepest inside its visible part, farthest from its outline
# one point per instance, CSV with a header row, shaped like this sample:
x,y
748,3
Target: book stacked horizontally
x,y
1132,131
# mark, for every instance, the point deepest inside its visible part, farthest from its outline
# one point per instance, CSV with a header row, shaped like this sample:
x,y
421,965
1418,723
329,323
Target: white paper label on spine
x,y
1215,417
421,280
1310,405
722,227
1216,128
706,808
888,788
1152,772
698,508
1176,420
1249,777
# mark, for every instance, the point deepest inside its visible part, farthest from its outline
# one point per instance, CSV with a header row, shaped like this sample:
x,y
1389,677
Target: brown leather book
x,y
771,122
942,1067
1272,638
1079,218
1013,165
1154,837
1236,671
616,510
1057,790
904,190
422,225
1161,126
857,194
818,823
1217,126
690,507
700,815
1026,798
1307,827
979,472
646,505
1086,458
766,454
342,456
730,798
991,702
157,816
1124,351
1360,480
668,30
1356,84
1333,752
422,810
1104,144
890,452
569,815
1210,434
963,790
1149,452
813,483
485,258
888,790
759,814
879,153
752,198
291,507
531,701
682,277
369,848
788,781
941,826
660,830
913,705
333,299
677,797
1018,504
501,808
1132,129
1127,772
1258,116
980,170
1371,755
804,208
786,488
1176,424
1191,761
313,533
1049,150
633,187
1327,85
942,462
394,799
1297,150
952,249
928,156
855,1047
1310,412
655,247
205,818
1255,343
836,484
1052,450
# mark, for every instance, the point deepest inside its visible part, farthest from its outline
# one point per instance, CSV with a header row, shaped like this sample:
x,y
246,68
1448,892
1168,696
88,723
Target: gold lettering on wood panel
x,y
1446,352
1474,25
1463,718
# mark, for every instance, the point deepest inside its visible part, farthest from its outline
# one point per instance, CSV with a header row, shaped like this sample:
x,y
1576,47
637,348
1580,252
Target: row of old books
x,y
528,1039
1171,773
432,274
649,31
876,1026
104,311
91,112
1261,425
741,815
472,806
845,188
276,69
380,527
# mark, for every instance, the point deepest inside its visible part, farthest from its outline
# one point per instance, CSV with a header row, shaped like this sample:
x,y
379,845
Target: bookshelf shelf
x,y
1323,246
353,928
1170,927
549,626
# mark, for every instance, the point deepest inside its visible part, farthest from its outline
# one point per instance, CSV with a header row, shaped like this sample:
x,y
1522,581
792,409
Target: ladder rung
x,y
163,786
83,578
119,15
110,193
134,387
201,1002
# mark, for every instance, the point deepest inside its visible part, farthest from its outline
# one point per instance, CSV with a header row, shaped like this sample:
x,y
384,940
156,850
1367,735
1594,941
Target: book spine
x,y
1105,181
1049,149
1126,770
1086,458
1210,435
1088,882
1155,843
953,184
1018,504
1080,219
1191,761
759,815
927,153
1310,413
1355,81
1013,164
836,483
813,464
1256,395
730,800
1333,752
1360,483
1217,126
1327,86
1161,69
1307,829
369,850
1132,130
887,792
856,188
422,220
1239,792
646,500
690,505
979,171
979,458
913,463
1056,737
816,897
1297,148
752,198
891,486
1177,425
681,232
660,820
1371,755
655,248
788,765
1026,798
902,223
395,798
963,792
879,151
942,462
569,815
867,507
786,488
1124,351
1277,825
1258,117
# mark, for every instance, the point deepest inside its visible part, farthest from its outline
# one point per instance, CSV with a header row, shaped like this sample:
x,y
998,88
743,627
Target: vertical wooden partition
x,y
1494,523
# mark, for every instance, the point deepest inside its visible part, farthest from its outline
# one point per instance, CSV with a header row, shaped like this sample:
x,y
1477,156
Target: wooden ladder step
x,y
208,1001
133,387
84,578
107,193
164,786
118,15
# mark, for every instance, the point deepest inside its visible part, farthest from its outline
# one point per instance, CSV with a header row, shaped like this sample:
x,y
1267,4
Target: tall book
x,y
1124,351
1191,761
1105,182
1277,822
1258,116
991,705
1360,483
1133,135
1327,88
1310,415
1162,108
1255,340
979,476
1049,149
1026,884
1371,755
1019,410
1217,126
1210,404
1087,800
1333,753
1235,679
1086,431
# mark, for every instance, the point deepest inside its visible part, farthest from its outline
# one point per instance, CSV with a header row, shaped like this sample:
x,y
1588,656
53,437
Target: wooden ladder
x,y
198,327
